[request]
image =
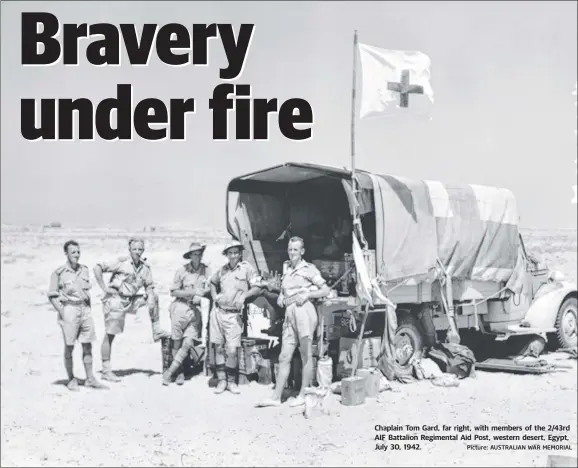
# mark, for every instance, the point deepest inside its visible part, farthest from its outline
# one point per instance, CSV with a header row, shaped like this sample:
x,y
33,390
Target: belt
x,y
186,302
229,309
124,296
75,303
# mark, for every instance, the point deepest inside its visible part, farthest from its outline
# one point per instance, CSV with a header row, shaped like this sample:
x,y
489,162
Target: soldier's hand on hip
x,y
218,299
302,299
281,301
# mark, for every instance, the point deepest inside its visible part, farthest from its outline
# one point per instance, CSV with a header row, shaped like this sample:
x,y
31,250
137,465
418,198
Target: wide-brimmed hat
x,y
232,244
194,247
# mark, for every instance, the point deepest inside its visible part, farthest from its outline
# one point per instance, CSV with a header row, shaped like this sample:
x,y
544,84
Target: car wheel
x,y
566,333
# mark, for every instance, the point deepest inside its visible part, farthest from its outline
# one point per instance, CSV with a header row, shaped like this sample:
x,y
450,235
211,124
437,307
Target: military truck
x,y
449,256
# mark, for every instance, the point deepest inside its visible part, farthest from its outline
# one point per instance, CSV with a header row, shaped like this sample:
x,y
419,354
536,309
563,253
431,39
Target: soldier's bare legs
x,y
105,351
287,351
306,350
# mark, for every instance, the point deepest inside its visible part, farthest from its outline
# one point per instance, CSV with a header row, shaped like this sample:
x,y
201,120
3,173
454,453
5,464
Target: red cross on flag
x,y
390,76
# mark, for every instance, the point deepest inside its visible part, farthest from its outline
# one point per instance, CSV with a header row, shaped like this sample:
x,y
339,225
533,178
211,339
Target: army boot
x,y
107,373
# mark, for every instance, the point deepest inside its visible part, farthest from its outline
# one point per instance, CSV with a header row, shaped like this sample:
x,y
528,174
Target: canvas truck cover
x,y
471,229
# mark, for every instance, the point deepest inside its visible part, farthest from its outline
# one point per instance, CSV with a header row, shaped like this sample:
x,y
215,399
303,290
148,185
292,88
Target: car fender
x,y
546,304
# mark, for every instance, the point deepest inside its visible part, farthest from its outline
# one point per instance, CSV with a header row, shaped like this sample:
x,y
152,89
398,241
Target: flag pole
x,y
353,105
356,220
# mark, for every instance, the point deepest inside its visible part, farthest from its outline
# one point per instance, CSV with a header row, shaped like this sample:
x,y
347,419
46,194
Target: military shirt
x,y
70,286
126,278
187,279
234,281
304,277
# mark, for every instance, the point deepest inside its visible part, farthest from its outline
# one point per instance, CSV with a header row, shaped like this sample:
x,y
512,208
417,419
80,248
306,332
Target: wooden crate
x,y
249,352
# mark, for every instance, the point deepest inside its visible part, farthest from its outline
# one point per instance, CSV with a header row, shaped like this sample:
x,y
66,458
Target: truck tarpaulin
x,y
472,229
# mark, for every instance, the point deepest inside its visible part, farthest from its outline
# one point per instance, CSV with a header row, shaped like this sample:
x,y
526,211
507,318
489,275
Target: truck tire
x,y
427,326
566,323
409,340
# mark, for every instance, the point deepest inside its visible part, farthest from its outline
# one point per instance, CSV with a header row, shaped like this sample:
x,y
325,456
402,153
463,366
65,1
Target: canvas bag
x,y
453,358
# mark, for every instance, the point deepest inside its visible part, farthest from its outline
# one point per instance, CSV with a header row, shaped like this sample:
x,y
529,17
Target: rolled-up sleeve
x,y
315,277
53,287
86,282
252,276
109,267
216,278
148,280
177,280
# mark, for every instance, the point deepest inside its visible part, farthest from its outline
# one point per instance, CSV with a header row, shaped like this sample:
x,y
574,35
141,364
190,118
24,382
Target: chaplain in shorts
x,y
300,284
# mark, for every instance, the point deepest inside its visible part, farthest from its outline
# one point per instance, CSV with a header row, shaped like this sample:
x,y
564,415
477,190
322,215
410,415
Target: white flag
x,y
363,283
381,67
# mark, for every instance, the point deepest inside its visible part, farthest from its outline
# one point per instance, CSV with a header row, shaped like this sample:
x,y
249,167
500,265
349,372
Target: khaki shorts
x,y
77,324
185,321
115,308
225,327
300,322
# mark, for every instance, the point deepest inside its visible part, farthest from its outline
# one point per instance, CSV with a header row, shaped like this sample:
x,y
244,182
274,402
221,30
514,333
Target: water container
x,y
372,378
325,372
353,391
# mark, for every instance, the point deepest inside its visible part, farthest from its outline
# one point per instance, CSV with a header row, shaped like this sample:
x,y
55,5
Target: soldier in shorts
x,y
189,311
231,286
69,294
300,283
130,275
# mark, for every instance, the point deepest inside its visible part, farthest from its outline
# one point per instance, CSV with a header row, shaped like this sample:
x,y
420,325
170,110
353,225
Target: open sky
x,y
503,74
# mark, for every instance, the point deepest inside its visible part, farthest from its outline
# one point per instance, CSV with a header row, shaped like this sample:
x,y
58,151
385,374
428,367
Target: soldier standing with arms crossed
x,y
129,276
231,286
69,294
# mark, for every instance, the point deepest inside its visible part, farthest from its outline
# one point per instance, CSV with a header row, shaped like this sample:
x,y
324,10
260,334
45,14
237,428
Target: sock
x,y
231,375
87,361
178,359
68,364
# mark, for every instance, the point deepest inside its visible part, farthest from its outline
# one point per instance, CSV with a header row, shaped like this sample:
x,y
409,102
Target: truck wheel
x,y
409,341
566,323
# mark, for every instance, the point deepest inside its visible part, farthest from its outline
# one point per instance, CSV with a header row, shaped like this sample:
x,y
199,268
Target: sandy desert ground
x,y
140,423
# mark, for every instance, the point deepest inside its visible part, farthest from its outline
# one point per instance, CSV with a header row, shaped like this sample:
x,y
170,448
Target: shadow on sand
x,y
127,372
64,382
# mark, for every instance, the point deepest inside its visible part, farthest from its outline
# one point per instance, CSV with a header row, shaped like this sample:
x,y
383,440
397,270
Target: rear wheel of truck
x,y
566,323
409,341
